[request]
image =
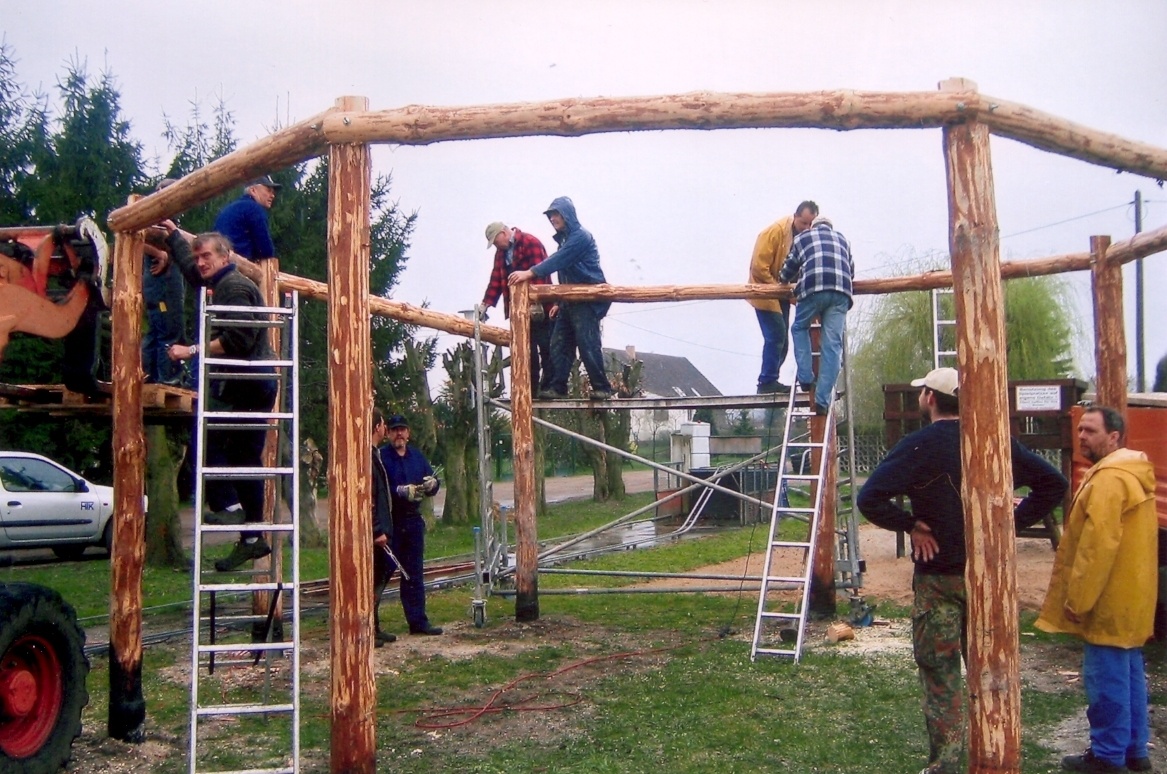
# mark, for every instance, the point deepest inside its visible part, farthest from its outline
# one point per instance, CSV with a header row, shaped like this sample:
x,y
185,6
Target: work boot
x,y
383,637
427,628
246,549
601,394
777,388
1138,764
552,395
1089,763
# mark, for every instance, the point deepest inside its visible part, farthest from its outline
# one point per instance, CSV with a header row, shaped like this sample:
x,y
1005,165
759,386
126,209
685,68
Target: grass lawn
x,y
600,683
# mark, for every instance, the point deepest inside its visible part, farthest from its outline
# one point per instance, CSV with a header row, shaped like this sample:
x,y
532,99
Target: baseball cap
x,y
493,230
397,421
265,180
944,380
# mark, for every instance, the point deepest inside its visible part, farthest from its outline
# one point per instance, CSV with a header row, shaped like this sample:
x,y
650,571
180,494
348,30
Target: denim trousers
x,y
578,326
1116,693
830,307
774,342
409,547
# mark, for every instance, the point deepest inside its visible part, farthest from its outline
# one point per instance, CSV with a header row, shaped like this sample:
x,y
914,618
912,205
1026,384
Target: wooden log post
x,y
350,398
269,270
527,548
822,601
127,706
994,686
1109,329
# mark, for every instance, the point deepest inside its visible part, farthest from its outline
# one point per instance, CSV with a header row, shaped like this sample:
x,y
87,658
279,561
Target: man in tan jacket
x,y
770,252
1103,589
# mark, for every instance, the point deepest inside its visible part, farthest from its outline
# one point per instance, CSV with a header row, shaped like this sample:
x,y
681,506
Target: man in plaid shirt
x,y
516,251
820,259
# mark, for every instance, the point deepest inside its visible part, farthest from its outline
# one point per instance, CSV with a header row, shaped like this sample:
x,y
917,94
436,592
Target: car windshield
x,y
20,474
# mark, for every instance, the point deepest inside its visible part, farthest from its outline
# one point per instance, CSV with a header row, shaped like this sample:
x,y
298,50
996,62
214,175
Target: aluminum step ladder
x,y
943,328
490,537
234,628
789,564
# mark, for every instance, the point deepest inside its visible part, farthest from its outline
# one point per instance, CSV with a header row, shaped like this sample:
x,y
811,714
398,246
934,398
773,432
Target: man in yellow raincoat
x,y
1103,589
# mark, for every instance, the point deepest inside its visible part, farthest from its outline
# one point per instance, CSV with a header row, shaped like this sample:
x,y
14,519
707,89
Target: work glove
x,y
411,492
429,485
482,315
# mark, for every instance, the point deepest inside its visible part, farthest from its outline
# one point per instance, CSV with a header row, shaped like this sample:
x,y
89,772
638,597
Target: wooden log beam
x,y
841,109
350,398
414,315
127,706
838,110
822,602
269,270
296,143
526,539
994,685
1109,328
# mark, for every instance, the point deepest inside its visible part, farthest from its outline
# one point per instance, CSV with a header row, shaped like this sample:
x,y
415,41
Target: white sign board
x,y
1039,397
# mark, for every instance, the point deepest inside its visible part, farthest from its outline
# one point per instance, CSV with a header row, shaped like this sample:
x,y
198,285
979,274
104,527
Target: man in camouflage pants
x,y
925,467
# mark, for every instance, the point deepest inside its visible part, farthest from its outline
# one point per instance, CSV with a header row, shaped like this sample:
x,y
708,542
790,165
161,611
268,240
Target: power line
x,y
684,341
1067,220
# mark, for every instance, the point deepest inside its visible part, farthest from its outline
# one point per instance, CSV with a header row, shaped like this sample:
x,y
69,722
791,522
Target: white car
x,y
45,505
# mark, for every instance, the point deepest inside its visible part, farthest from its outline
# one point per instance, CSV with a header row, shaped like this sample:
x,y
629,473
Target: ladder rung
x,y
785,579
285,586
255,526
249,646
790,544
283,770
260,416
221,473
776,651
782,616
251,364
242,709
792,511
284,311
801,477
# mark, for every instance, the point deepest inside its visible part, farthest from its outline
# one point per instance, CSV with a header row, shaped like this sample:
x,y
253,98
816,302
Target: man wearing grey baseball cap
x,y
925,467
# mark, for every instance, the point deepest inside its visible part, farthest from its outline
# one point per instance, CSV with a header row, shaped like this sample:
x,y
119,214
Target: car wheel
x,y
107,537
42,679
70,552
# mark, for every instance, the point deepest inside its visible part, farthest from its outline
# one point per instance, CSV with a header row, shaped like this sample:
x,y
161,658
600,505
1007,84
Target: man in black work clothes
x,y
382,526
411,479
925,466
210,266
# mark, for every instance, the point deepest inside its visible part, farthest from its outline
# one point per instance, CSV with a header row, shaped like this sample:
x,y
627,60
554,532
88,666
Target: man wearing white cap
x,y
925,467
519,251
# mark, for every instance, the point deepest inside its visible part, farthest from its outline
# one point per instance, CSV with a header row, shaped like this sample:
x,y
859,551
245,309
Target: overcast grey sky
x,y
665,208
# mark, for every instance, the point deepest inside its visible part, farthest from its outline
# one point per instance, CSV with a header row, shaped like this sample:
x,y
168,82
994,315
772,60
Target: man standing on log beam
x,y
770,251
925,466
1102,589
820,259
578,324
518,251
211,266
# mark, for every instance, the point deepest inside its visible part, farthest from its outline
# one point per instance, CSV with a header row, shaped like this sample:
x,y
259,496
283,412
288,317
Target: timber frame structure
x,y
966,119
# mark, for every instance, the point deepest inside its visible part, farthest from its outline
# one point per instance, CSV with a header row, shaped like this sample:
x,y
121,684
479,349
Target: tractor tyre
x,y
42,679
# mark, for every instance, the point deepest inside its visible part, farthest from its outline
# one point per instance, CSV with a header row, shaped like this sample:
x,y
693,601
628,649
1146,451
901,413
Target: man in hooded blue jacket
x,y
578,325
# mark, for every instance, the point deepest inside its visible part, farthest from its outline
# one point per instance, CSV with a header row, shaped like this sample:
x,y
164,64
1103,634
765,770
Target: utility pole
x,y
1140,359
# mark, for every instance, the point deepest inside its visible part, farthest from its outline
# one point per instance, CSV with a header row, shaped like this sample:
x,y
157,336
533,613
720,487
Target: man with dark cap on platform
x,y
244,221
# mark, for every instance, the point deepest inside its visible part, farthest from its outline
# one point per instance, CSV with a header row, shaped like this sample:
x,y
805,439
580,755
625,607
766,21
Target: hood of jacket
x,y
565,207
1133,462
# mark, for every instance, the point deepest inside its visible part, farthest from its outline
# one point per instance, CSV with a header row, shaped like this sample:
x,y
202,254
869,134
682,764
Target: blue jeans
x,y
408,544
164,329
578,326
1116,691
830,306
774,342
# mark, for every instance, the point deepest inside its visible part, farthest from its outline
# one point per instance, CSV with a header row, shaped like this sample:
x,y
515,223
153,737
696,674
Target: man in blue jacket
x,y
578,324
244,221
382,527
411,479
926,468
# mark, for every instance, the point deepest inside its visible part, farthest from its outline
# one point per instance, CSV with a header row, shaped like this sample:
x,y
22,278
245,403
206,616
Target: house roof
x,y
666,376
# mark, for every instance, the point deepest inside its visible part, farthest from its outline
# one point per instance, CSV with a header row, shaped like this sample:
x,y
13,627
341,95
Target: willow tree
x,y
893,342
